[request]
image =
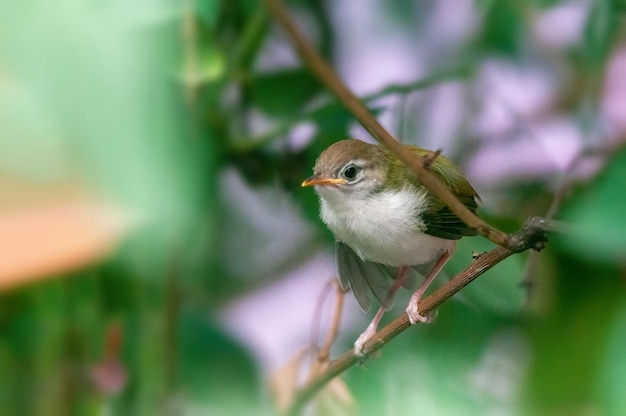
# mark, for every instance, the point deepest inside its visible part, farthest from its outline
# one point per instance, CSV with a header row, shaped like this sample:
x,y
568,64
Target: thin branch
x,y
531,236
321,363
328,77
244,145
402,89
317,316
334,326
428,160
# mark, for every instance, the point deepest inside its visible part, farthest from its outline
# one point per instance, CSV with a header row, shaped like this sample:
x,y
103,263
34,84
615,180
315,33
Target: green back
x,y
439,220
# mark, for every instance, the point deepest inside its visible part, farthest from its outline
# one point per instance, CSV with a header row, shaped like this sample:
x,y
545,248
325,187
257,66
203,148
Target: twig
x,y
244,145
334,84
317,315
321,363
428,160
402,89
530,236
334,326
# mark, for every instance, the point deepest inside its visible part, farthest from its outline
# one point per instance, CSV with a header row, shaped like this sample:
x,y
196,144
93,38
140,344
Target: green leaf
x,y
569,341
207,11
498,290
610,388
599,32
213,367
283,92
503,27
596,215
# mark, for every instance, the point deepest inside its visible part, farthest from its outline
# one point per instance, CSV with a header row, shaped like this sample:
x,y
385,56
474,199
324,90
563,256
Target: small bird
x,y
387,225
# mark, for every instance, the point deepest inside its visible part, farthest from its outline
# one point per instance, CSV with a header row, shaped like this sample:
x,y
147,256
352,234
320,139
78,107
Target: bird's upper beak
x,y
322,180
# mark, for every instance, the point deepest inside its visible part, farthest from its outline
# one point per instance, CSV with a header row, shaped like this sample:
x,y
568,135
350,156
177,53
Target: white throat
x,y
385,227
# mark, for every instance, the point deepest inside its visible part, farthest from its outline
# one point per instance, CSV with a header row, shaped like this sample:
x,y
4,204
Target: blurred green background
x,y
157,255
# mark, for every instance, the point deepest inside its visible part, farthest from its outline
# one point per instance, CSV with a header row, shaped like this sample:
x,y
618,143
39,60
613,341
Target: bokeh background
x,y
157,255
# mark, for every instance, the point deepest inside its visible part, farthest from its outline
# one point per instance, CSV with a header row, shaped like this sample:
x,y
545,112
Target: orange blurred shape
x,y
55,236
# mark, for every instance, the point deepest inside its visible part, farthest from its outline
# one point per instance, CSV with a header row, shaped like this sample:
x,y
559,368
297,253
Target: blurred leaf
x,y
569,342
599,33
207,10
498,290
548,3
596,214
283,92
56,236
610,387
503,27
332,121
214,369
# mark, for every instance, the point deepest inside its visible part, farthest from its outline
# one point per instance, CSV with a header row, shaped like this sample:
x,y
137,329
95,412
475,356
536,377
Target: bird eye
x,y
350,172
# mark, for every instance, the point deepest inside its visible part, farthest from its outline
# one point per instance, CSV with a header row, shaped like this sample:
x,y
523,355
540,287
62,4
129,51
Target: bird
x,y
389,228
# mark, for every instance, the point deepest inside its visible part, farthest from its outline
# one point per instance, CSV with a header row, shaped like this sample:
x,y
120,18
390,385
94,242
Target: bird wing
x,y
365,278
440,221
443,223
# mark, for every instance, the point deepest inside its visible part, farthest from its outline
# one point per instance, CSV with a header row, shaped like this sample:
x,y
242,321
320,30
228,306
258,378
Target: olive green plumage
x,y
439,220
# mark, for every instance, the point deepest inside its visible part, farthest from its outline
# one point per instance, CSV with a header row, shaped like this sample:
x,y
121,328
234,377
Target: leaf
x,y
283,92
600,30
213,367
571,337
56,236
207,11
610,388
499,288
596,214
503,26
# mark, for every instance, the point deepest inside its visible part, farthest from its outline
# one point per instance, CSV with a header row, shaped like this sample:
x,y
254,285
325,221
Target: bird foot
x,y
414,315
361,340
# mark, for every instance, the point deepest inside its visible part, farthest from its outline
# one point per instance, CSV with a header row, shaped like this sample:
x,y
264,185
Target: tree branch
x,y
333,83
530,236
324,352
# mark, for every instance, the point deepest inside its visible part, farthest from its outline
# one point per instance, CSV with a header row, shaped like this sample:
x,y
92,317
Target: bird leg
x,y
398,281
411,310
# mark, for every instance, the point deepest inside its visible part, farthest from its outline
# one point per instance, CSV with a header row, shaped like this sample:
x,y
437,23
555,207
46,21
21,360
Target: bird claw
x,y
360,342
414,315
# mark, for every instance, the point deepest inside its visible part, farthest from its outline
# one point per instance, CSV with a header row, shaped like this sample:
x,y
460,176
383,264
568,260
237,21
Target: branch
x,y
531,235
244,145
324,352
321,362
333,83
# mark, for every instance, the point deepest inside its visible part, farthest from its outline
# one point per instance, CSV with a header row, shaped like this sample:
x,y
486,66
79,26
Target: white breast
x,y
384,228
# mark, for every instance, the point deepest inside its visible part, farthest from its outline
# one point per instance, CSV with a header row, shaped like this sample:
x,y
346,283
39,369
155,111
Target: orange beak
x,y
319,180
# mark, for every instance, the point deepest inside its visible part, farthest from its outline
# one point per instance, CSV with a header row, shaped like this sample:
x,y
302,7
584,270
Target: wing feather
x,y
365,278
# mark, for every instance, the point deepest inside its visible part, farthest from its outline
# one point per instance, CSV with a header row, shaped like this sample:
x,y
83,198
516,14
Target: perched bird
x,y
387,225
